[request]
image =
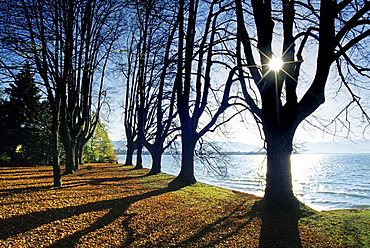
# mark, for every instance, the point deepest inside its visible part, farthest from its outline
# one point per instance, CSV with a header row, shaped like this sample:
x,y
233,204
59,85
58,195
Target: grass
x,y
107,205
347,228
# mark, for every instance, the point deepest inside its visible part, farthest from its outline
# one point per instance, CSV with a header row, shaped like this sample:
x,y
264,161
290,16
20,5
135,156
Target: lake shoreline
x,y
321,181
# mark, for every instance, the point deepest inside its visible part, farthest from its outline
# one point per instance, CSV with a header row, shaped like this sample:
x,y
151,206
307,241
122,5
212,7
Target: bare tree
x,y
149,108
158,96
69,43
129,68
204,47
332,31
93,32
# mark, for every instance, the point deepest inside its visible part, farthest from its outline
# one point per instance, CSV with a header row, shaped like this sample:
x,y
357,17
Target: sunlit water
x,y
322,181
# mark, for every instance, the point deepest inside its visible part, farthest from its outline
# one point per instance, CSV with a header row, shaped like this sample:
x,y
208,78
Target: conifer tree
x,y
23,122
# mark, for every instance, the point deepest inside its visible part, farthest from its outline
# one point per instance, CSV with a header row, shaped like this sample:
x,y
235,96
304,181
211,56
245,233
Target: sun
x,y
275,63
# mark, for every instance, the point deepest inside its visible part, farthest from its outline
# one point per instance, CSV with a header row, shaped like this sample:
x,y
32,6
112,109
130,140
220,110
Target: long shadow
x,y
6,192
24,178
97,181
23,170
23,223
225,223
76,183
278,231
279,226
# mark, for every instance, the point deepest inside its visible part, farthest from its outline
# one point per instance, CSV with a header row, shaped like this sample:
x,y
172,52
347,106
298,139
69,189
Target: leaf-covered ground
x,y
106,205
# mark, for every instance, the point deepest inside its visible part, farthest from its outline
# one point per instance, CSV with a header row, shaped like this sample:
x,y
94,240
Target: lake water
x,y
322,181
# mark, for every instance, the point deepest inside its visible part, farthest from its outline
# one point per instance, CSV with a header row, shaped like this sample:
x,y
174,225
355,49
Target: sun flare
x,y
275,63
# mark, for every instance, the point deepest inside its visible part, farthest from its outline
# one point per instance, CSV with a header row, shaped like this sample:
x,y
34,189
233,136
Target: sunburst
x,y
276,63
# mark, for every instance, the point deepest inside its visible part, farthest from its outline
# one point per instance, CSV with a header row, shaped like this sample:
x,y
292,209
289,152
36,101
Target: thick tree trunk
x,y
139,157
156,162
156,151
129,156
279,188
129,153
186,175
70,149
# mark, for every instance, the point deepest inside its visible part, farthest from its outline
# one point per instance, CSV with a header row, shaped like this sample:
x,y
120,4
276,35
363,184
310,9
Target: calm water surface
x,y
322,181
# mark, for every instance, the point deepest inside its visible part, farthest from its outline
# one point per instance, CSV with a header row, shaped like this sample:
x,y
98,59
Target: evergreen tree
x,y
25,138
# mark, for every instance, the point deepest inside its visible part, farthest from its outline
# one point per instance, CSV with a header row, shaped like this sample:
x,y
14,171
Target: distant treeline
x,y
124,152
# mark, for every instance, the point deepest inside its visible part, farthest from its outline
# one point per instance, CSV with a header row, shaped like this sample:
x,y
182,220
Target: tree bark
x,y
129,153
69,147
78,154
156,155
186,176
139,157
70,158
279,188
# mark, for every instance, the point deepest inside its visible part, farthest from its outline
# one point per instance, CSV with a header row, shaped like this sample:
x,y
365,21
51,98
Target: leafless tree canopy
x,y
190,66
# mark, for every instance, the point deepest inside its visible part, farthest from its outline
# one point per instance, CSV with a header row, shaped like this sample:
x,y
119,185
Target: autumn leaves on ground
x,y
106,205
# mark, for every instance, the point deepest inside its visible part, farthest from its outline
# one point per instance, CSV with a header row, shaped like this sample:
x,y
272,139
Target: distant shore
x,y
215,153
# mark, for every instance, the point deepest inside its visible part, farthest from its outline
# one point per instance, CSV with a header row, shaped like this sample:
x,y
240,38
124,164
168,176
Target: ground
x,y
105,205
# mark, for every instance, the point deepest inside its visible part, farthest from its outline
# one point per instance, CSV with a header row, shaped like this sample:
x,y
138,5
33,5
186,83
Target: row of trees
x,y
68,45
193,65
189,66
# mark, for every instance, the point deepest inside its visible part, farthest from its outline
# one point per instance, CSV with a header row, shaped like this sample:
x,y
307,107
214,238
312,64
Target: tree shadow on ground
x,y
11,192
279,225
66,184
24,177
95,181
279,230
230,222
117,208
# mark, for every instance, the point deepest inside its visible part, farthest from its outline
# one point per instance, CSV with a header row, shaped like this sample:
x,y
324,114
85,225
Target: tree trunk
x,y
78,154
186,176
156,162
139,157
279,188
129,153
55,156
70,148
129,156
